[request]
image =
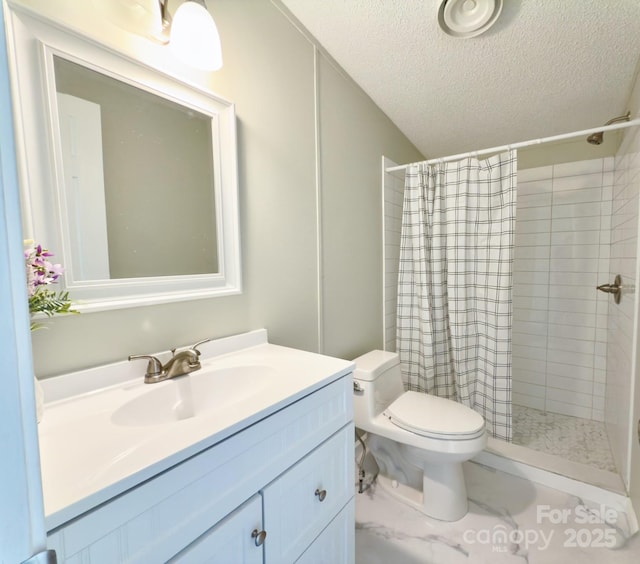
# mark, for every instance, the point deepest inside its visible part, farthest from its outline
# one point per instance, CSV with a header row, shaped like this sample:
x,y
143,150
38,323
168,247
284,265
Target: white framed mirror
x,y
129,175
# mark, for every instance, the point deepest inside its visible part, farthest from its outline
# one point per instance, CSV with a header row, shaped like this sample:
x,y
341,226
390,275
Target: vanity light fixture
x,y
191,33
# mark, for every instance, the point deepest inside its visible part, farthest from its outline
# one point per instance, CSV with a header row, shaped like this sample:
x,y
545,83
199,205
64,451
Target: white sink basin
x,y
200,393
105,431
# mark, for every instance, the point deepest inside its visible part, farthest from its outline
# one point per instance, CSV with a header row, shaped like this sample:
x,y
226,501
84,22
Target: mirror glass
x,y
139,184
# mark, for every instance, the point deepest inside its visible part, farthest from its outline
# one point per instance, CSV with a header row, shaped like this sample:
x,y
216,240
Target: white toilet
x,y
419,441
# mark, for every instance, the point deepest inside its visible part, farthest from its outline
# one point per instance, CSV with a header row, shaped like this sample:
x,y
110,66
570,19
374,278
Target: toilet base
x,y
446,498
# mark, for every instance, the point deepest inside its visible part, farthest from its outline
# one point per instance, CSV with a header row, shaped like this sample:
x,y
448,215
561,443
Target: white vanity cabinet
x,y
290,475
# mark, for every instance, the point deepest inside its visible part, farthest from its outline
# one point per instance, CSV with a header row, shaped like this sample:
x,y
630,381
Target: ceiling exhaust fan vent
x,y
468,18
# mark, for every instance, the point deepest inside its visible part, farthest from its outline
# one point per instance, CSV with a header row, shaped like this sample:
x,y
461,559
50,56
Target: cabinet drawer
x,y
300,503
230,540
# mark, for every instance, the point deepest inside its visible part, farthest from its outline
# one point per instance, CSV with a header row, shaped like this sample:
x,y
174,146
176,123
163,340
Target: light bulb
x,y
194,37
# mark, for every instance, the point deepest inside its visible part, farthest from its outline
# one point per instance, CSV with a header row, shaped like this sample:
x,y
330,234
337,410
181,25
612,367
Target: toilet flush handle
x,y
357,387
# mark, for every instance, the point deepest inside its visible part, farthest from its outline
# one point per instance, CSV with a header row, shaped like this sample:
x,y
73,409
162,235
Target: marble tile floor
x,y
573,438
510,520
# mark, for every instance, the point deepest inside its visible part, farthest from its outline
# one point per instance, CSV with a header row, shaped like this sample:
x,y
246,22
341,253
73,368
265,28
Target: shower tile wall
x,y
559,320
393,190
624,236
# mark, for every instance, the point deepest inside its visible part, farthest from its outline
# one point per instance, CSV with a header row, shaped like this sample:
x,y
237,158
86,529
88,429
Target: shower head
x,y
598,138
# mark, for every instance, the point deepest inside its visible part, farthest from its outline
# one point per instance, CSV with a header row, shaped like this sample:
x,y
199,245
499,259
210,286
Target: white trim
x,y
318,187
384,255
634,376
22,529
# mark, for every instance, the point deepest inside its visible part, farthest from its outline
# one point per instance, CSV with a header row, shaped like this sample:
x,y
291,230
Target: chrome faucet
x,y
184,362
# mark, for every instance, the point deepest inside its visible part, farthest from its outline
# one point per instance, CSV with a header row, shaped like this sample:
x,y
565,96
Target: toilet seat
x,y
435,417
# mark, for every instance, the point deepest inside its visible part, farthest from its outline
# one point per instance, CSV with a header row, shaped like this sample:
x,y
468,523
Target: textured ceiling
x,y
546,67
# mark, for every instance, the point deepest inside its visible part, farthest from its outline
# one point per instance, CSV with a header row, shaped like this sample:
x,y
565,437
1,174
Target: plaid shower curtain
x,y
454,285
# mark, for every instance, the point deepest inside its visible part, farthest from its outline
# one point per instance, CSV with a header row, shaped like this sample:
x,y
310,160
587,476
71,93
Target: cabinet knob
x,y
321,494
258,536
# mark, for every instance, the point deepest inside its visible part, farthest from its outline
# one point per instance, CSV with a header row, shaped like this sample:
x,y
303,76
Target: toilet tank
x,y
378,376
372,365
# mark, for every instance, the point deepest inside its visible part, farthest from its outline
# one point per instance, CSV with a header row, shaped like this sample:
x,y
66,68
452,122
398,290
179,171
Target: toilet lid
x,y
431,416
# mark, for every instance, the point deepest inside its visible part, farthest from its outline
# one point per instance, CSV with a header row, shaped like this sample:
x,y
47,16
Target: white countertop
x,y
88,458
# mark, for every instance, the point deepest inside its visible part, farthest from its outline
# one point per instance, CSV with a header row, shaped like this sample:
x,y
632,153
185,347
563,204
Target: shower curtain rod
x,y
521,144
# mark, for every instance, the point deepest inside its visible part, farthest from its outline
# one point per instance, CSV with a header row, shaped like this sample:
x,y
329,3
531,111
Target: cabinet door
x,y
304,500
232,540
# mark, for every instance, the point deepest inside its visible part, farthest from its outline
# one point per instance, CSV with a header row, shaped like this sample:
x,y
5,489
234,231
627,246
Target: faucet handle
x,y
195,347
154,368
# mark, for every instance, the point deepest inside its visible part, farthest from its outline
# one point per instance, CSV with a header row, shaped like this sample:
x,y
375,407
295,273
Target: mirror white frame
x,y
36,41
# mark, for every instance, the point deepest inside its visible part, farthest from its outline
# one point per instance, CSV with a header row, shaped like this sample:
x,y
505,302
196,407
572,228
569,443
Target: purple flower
x,y
40,273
